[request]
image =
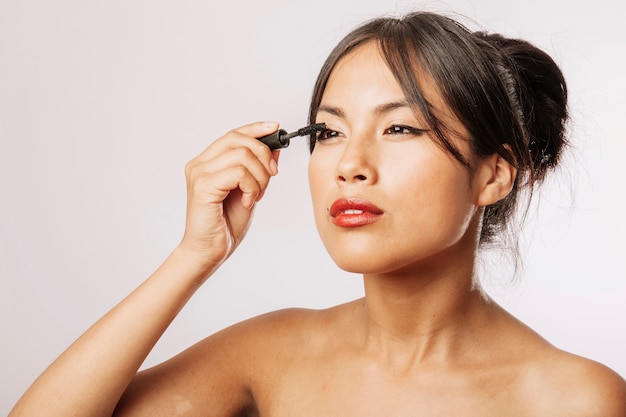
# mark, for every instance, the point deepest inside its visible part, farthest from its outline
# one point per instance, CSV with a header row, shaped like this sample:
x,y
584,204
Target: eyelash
x,y
392,130
404,130
323,135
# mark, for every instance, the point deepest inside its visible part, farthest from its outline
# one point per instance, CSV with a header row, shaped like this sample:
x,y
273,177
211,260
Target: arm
x,y
92,374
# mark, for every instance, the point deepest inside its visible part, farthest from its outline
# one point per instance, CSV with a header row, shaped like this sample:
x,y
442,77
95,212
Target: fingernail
x,y
273,167
270,125
247,200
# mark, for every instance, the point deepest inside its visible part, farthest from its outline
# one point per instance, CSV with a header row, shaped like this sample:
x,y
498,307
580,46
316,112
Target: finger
x,y
258,129
240,157
236,139
274,166
214,187
252,130
235,157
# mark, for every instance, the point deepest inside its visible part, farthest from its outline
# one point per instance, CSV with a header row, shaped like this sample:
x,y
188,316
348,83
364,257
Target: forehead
x,y
363,77
362,74
362,83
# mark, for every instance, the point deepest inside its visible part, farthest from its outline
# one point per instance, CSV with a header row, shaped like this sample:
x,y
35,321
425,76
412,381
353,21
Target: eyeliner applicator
x,y
281,139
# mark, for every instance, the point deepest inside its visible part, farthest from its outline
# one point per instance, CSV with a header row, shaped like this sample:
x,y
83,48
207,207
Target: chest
x,y
341,391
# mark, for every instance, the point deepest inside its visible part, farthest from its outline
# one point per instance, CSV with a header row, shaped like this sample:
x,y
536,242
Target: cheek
x,y
435,193
320,176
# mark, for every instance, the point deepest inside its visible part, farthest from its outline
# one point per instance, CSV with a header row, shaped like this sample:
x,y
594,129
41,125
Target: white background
x,y
103,102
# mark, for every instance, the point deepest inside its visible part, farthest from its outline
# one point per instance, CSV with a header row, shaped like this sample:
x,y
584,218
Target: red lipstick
x,y
354,212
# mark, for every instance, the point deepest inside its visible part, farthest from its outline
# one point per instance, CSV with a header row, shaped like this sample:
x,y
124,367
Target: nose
x,y
357,163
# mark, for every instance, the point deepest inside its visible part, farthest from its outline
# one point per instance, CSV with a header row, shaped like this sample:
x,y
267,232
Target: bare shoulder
x,y
550,381
218,373
565,384
251,343
294,327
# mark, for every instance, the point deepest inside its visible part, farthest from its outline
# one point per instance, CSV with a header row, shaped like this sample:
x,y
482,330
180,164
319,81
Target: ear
x,y
493,180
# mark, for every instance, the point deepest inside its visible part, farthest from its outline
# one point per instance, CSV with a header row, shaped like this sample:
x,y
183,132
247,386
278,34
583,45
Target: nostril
x,y
359,177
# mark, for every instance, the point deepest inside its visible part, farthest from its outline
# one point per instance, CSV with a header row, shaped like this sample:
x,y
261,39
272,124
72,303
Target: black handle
x,y
276,140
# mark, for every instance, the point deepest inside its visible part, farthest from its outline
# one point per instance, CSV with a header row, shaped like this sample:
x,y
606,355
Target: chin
x,y
391,260
366,263
354,261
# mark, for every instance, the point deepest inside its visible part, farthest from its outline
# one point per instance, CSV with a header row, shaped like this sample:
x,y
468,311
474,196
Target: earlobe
x,y
496,178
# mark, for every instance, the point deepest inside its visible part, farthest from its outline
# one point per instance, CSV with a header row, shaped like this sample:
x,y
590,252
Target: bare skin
x,y
425,340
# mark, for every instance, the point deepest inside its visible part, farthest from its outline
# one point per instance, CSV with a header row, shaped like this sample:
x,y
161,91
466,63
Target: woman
x,y
432,134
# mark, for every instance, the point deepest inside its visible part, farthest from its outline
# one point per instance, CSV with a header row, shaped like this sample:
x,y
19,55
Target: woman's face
x,y
385,196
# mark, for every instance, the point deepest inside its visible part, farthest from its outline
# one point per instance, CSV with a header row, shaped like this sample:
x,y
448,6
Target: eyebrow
x,y
380,109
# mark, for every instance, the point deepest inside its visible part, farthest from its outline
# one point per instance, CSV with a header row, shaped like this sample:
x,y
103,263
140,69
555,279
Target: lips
x,y
354,212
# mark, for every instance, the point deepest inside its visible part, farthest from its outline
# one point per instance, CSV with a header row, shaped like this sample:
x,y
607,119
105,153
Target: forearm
x,y
223,183
91,375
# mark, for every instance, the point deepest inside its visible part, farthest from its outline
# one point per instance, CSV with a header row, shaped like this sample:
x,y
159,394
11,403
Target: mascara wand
x,y
281,139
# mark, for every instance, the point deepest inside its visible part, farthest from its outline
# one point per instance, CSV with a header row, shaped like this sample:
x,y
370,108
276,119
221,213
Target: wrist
x,y
193,264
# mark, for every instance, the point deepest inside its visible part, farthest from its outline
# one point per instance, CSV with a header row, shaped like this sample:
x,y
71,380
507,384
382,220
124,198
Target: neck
x,y
425,312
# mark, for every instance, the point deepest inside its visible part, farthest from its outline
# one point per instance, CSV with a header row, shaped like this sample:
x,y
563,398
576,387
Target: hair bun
x,y
541,95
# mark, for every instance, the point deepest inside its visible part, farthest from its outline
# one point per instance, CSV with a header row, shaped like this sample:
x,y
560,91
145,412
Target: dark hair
x,y
509,95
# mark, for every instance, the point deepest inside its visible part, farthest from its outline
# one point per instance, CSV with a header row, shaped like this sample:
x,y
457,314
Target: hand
x,y
223,184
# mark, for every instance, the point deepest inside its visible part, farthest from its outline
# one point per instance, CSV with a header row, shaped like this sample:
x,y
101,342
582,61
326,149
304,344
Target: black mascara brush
x,y
281,139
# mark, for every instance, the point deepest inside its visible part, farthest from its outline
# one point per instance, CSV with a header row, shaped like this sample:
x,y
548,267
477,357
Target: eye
x,y
325,135
404,130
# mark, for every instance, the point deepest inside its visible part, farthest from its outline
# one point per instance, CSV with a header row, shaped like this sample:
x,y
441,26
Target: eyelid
x,y
319,136
410,129
330,127
336,132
